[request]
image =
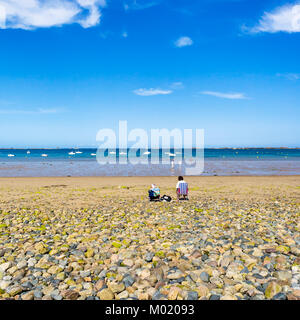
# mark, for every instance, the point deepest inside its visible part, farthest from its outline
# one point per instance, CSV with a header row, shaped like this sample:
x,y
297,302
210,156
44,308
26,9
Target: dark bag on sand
x,y
166,198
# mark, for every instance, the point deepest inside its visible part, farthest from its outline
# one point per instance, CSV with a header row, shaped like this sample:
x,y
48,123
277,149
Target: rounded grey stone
x,y
204,276
149,256
280,296
38,294
128,281
192,295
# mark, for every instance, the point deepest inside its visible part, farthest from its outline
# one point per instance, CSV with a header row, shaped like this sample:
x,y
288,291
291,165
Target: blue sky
x,y
69,68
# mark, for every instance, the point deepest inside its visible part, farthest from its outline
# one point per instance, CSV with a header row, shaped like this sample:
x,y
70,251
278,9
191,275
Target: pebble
x,y
27,296
4,284
149,256
123,295
38,294
70,294
280,296
192,295
204,276
128,281
157,296
27,285
105,294
173,293
283,275
5,266
14,290
116,287
272,289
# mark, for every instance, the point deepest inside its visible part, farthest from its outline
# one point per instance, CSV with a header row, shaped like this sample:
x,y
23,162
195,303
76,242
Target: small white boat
x,y
71,153
170,154
10,155
44,155
93,154
28,152
78,152
112,152
122,153
147,152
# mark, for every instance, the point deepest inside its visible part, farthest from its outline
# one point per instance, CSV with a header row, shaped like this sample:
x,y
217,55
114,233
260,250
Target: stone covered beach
x,y
100,238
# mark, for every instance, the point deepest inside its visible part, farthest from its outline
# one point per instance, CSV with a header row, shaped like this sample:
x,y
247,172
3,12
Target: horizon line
x,y
208,147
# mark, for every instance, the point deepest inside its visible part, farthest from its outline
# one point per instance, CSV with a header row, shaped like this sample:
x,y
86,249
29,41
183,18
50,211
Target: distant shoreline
x,y
142,179
207,148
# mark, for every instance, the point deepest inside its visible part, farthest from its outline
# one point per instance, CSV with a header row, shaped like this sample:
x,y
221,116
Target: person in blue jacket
x,y
154,193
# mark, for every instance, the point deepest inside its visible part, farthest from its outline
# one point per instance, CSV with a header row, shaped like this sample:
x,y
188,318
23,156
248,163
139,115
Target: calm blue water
x,y
89,154
83,162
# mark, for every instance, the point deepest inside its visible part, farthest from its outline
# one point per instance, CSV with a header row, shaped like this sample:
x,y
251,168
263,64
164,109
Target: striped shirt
x,y
182,187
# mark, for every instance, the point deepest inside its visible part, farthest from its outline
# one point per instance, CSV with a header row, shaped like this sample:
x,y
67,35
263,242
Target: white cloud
x,y
233,96
36,111
139,5
177,85
47,111
289,76
285,19
151,92
183,42
32,14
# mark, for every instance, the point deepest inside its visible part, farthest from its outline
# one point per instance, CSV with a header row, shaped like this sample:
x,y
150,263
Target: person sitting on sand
x,y
154,193
182,189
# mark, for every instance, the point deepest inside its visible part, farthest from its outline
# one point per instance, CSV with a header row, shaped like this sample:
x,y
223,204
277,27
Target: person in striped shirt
x,y
182,189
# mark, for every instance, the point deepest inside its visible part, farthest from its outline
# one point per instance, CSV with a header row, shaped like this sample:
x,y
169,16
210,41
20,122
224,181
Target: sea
x,y
140,162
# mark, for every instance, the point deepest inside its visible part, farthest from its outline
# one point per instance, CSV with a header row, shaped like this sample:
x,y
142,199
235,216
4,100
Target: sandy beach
x,y
100,238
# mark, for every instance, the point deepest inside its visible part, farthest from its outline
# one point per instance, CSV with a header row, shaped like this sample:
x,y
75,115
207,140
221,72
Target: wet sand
x,y
90,168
